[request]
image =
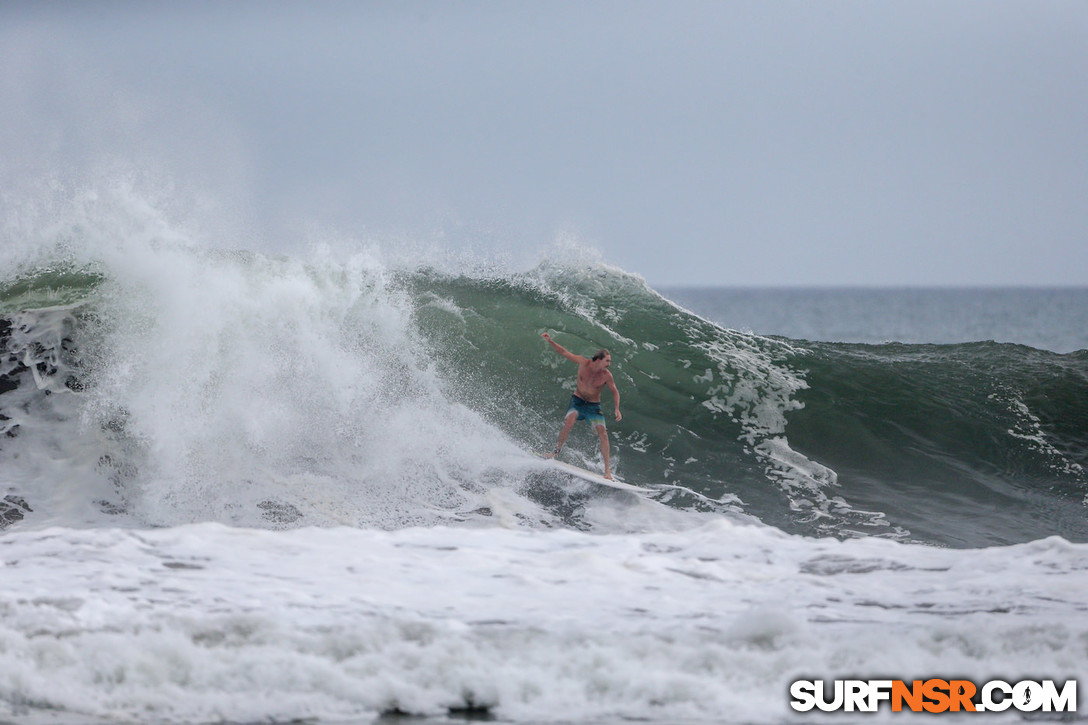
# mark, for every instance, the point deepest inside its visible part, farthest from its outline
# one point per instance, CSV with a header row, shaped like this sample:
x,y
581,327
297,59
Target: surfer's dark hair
x,y
600,354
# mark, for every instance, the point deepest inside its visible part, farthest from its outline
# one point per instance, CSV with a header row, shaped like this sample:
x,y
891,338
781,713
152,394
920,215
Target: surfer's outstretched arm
x,y
563,351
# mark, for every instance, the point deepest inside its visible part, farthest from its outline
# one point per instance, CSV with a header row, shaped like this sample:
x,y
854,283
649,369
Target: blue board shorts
x,y
587,411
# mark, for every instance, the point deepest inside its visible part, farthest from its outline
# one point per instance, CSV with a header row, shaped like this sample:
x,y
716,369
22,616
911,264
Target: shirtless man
x,y
585,404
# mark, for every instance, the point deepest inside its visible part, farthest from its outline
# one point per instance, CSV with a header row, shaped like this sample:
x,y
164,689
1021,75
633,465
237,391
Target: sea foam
x,y
205,622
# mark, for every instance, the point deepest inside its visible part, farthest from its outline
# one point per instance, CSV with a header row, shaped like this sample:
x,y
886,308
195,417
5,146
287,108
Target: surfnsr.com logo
x,y
934,695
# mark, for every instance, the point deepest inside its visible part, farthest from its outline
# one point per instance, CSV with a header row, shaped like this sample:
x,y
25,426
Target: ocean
x,y
244,487
1054,319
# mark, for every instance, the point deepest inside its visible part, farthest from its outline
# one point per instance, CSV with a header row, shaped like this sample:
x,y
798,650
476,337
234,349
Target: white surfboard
x,y
595,477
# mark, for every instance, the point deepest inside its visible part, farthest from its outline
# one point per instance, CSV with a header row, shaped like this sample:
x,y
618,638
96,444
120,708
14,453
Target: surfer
x,y
585,404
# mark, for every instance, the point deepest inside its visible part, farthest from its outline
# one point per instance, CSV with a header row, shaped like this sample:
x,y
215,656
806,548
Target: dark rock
x,y
279,513
12,510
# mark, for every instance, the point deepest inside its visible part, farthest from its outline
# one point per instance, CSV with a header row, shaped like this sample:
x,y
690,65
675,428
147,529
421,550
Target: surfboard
x,y
595,477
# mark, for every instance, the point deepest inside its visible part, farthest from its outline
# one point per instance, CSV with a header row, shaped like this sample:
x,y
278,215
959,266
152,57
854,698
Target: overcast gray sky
x,y
722,143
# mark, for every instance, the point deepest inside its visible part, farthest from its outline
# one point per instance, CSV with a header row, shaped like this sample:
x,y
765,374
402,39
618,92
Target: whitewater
x,y
247,487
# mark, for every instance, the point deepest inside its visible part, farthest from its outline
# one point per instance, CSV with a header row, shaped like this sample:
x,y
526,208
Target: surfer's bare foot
x,y
553,454
608,475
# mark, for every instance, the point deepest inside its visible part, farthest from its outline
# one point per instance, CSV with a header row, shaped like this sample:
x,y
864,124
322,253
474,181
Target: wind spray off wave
x,y
184,385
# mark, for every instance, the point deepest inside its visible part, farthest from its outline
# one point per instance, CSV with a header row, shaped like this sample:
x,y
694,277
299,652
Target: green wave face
x,y
59,286
963,445
703,408
970,444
